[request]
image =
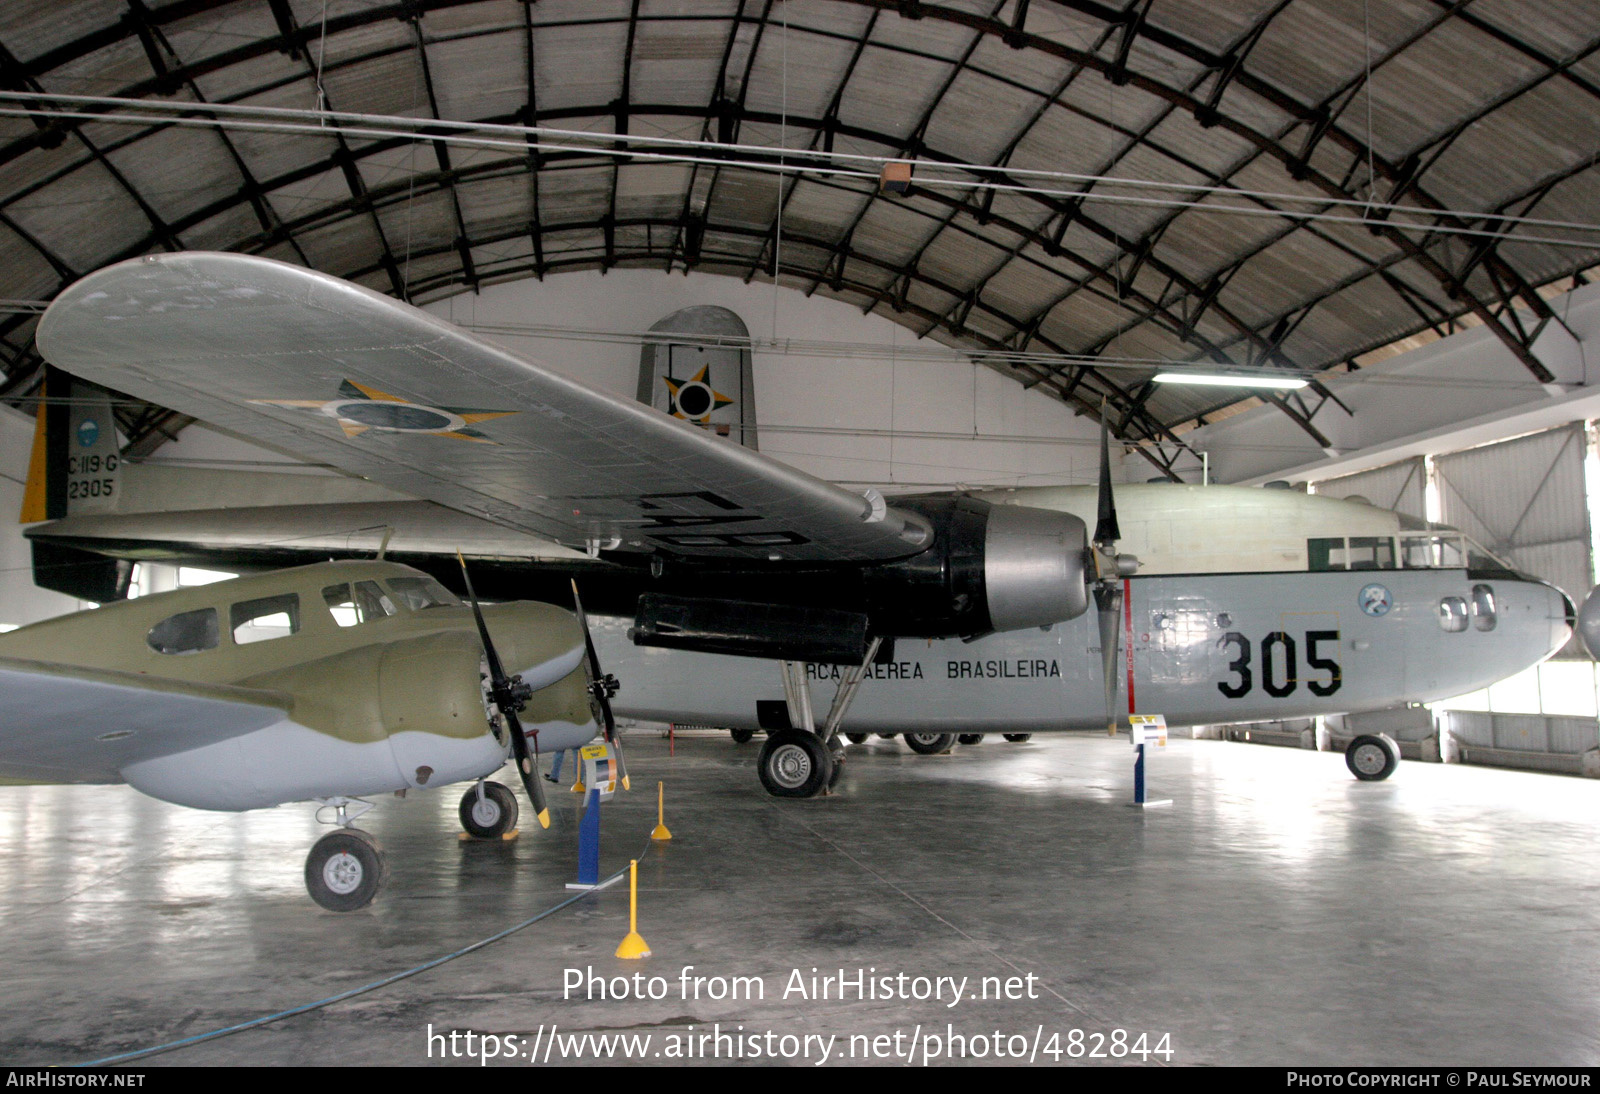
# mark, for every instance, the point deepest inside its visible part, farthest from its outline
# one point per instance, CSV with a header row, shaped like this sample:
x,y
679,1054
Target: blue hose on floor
x,y
353,992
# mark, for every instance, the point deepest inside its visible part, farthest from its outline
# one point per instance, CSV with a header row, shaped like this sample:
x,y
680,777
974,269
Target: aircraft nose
x,y
1588,621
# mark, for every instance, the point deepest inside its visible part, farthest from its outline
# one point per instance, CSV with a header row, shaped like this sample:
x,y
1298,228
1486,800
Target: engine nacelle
x,y
991,568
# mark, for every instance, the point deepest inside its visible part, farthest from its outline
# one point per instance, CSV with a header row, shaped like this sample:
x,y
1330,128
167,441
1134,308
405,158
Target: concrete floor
x,y
1278,912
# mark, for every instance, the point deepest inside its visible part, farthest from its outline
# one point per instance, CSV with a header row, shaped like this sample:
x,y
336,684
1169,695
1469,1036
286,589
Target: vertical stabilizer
x,y
705,378
75,464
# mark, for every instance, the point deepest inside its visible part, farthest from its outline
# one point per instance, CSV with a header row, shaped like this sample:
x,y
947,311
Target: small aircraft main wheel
x,y
492,817
970,739
345,870
1018,738
1372,757
857,738
930,744
741,736
888,736
794,764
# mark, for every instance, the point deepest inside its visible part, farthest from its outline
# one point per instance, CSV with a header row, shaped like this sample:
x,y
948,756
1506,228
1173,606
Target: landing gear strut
x,y
807,760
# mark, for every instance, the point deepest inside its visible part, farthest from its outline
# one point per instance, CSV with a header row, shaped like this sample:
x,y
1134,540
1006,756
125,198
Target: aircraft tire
x,y
1372,757
741,736
345,870
493,817
888,736
795,764
970,739
930,744
857,738
1018,738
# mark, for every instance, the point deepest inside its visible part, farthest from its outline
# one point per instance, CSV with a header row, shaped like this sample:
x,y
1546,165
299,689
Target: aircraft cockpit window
x,y
366,603
267,618
1453,614
420,593
1483,611
186,632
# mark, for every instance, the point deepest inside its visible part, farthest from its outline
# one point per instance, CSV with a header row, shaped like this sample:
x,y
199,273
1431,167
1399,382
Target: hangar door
x,y
1399,486
1524,499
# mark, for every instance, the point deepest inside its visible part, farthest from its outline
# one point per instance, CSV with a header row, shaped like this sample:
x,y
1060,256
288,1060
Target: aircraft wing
x,y
62,723
343,375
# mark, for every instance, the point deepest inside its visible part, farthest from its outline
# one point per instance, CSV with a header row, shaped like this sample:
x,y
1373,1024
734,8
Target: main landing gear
x,y
1372,757
345,869
930,744
488,810
806,761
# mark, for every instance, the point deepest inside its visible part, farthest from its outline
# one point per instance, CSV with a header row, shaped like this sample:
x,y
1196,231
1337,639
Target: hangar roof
x,y
1334,174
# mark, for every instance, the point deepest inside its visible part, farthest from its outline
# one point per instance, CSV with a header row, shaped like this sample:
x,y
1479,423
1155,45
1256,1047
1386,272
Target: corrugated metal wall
x,y
1524,500
1399,486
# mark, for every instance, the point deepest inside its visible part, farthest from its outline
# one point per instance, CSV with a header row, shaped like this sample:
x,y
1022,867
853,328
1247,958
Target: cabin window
x,y
1353,553
420,593
362,604
264,619
1483,611
1453,614
186,632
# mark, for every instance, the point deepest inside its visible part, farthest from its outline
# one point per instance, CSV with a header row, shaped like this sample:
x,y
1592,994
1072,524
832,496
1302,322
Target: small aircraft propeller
x,y
510,695
1110,568
602,686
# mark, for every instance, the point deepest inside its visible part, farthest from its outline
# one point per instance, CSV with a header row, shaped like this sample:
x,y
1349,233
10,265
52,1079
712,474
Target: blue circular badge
x,y
1375,599
88,432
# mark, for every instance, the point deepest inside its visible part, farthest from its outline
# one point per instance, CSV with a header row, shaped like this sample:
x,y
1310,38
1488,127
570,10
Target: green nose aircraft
x,y
319,683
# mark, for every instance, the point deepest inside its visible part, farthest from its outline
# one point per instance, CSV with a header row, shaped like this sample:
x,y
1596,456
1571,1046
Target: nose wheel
x,y
345,870
1372,757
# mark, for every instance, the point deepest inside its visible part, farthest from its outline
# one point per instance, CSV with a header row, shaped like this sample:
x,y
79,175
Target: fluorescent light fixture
x,y
1225,379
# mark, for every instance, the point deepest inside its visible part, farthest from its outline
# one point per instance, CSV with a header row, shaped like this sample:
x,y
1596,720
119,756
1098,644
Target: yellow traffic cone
x,y
633,947
661,832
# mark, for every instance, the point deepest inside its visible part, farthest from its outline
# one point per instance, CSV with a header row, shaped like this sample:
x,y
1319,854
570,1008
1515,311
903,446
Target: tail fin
x,y
74,466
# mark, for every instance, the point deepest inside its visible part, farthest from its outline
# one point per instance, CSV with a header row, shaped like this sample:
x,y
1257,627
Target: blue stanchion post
x,y
1138,773
589,840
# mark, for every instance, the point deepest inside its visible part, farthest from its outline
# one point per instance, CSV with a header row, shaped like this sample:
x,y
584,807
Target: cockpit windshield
x,y
420,593
1435,549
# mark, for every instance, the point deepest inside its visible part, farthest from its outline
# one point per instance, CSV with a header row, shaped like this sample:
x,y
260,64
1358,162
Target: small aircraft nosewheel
x,y
741,736
492,817
1372,757
1018,738
345,870
795,764
888,736
970,738
930,744
857,738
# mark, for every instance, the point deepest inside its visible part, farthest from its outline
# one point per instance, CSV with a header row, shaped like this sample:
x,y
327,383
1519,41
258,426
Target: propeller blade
x,y
504,692
527,767
602,686
1105,528
1108,598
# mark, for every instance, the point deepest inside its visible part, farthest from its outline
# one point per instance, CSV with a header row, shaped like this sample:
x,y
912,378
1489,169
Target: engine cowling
x,y
991,568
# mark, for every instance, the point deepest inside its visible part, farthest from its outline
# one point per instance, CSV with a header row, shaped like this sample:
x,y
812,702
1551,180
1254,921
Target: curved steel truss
x,y
1438,106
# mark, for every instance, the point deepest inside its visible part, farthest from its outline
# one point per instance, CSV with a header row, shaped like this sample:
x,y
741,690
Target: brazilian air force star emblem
x,y
360,408
694,398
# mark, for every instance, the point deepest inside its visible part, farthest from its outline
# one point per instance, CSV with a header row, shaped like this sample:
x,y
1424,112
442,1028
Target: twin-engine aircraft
x,y
325,683
965,610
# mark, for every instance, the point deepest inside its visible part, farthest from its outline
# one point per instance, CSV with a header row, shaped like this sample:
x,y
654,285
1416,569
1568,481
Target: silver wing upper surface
x,y
66,723
340,374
